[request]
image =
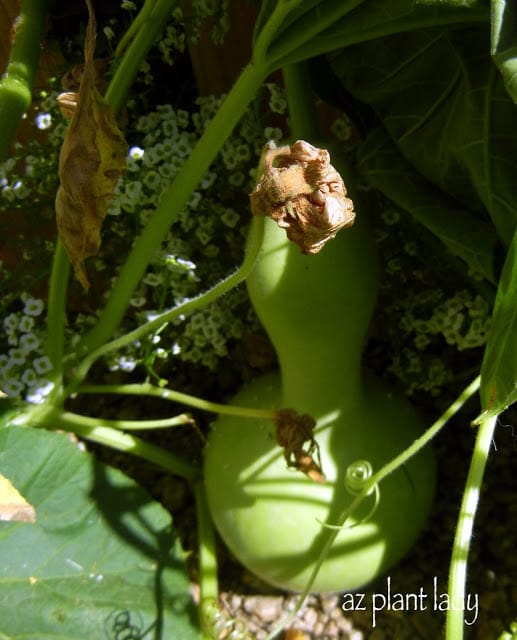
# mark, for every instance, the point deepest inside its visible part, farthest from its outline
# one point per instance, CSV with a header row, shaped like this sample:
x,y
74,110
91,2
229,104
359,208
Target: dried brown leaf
x,y
91,161
13,506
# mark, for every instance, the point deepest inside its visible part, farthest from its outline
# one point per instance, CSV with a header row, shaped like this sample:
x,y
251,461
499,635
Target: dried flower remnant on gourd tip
x,y
92,159
295,433
303,193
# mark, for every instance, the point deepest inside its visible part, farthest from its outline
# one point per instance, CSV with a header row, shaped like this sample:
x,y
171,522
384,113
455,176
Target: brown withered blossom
x,y
303,193
295,433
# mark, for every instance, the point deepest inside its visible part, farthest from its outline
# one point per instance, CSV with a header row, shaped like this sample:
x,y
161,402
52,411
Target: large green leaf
x,y
504,42
317,27
102,560
444,104
499,368
464,235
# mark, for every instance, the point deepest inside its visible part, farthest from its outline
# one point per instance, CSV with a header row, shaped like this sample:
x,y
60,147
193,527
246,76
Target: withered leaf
x,y
13,506
91,161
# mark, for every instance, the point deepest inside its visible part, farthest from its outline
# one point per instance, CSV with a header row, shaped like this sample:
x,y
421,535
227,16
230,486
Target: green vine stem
x,y
95,430
116,439
16,84
460,551
302,121
134,28
370,485
176,396
141,35
56,312
208,583
68,417
198,302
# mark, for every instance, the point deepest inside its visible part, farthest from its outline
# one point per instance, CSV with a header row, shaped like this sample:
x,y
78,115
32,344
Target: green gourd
x,y
316,310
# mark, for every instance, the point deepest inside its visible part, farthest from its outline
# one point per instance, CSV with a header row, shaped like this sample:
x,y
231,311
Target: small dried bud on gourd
x,y
303,193
295,433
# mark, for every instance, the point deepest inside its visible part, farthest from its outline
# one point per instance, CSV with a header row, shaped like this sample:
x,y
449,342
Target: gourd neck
x,y
316,310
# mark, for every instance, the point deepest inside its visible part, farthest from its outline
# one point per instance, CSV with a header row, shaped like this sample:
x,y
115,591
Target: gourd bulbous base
x,y
270,516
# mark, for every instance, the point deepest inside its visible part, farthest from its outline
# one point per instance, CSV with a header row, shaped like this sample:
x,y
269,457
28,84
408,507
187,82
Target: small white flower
x,y
29,377
127,363
153,180
43,121
208,180
20,190
11,322
26,324
33,306
16,356
136,153
5,363
230,218
29,342
194,200
153,279
42,365
39,391
273,133
137,301
12,388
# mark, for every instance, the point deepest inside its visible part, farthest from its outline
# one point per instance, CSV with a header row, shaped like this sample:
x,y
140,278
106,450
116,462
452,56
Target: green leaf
x,y
464,235
444,104
499,368
102,560
504,42
334,24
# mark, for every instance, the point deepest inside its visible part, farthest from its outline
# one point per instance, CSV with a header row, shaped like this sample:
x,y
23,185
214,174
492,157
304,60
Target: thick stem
x,y
56,311
16,85
302,122
148,25
208,583
460,551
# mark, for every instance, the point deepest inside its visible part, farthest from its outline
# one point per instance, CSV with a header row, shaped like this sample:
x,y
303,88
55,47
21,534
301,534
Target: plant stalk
x,y
179,397
129,443
208,583
56,311
458,569
144,31
16,84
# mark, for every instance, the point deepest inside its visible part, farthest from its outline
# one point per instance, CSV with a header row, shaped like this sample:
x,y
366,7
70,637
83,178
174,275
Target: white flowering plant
x,y
166,285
